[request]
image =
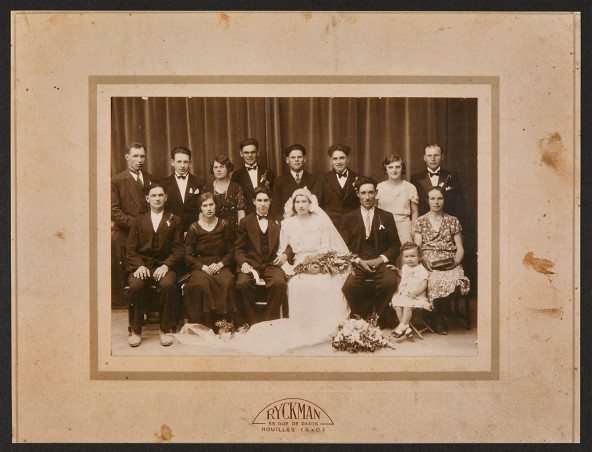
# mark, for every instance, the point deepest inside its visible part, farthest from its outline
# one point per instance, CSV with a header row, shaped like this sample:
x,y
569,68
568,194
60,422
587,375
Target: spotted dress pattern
x,y
438,245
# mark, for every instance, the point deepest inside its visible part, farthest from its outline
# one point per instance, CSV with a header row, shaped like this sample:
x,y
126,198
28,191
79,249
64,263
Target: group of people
x,y
248,228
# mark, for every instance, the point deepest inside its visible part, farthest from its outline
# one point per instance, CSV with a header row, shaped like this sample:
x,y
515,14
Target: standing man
x,y
182,188
296,178
252,174
127,202
256,250
454,202
371,233
154,248
339,195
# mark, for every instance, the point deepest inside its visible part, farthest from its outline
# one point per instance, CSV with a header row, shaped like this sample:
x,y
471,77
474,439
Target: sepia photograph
x,y
231,264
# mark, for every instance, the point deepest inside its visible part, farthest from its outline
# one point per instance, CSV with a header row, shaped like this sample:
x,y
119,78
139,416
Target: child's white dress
x,y
411,278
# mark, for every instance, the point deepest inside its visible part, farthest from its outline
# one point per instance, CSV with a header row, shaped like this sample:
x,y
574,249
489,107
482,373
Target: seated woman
x,y
398,196
210,293
439,237
228,195
316,303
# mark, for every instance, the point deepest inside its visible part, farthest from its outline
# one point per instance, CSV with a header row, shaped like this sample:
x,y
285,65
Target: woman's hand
x,y
426,263
280,260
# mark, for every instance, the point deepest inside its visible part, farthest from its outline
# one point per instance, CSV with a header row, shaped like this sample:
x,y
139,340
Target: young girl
x,y
412,289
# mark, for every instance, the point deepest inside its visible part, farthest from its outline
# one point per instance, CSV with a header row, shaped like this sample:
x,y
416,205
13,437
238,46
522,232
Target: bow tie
x,y
437,174
249,168
261,217
181,177
344,174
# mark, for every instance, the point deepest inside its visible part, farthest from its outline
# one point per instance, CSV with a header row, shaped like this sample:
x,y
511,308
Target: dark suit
x,y
241,177
383,240
337,200
249,248
285,185
454,202
188,210
151,250
127,202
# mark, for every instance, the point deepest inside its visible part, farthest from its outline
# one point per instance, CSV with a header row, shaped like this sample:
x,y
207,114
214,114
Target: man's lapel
x,y
163,228
334,183
274,232
134,190
349,184
191,188
425,181
253,230
376,221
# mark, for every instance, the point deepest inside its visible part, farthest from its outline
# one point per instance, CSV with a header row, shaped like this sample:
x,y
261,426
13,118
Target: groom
x,y
256,249
370,233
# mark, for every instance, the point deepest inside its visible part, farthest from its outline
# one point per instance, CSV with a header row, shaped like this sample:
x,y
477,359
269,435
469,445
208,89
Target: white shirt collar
x,y
299,173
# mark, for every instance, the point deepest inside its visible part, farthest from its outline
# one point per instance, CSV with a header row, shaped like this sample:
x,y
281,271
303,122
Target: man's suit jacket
x,y
241,177
188,210
285,185
384,229
248,240
454,202
336,200
127,200
139,248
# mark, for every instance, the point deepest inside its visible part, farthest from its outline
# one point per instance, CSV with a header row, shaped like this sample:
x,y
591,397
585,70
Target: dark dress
x,y
228,203
209,296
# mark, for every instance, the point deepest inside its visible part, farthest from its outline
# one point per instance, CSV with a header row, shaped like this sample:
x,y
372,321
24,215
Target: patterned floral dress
x,y
438,245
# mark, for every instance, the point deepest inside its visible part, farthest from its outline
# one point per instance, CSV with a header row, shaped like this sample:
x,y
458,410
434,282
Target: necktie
x,y
367,224
254,167
297,178
344,174
181,177
139,181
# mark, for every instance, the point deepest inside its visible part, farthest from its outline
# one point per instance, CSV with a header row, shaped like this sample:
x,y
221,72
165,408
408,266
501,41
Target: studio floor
x,y
458,342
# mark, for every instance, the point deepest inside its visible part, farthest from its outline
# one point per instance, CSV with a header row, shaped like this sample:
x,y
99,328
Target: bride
x,y
316,303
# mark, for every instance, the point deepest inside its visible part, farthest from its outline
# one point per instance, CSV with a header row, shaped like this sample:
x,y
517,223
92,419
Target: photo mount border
x,y
96,374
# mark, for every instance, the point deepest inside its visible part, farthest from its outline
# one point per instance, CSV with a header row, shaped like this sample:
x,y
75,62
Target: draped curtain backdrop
x,y
371,127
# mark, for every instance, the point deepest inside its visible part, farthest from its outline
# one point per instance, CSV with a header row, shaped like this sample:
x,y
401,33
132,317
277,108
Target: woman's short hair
x,y
393,158
204,197
409,245
222,160
437,188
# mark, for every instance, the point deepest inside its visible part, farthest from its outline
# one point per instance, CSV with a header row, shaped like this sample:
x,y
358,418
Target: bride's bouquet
x,y
328,261
359,335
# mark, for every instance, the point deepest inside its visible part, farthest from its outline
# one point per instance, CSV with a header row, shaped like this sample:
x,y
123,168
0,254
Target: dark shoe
x,y
397,332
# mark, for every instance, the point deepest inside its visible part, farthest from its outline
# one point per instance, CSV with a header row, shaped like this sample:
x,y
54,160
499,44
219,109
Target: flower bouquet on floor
x,y
226,330
326,261
359,335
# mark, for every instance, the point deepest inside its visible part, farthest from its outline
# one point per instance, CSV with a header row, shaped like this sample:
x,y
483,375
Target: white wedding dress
x,y
316,302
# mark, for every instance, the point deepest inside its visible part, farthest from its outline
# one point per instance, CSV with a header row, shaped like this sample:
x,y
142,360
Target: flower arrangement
x,y
359,335
331,262
445,183
226,330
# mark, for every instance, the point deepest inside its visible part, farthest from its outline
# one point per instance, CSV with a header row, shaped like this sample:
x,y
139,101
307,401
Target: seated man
x,y
154,248
256,249
370,233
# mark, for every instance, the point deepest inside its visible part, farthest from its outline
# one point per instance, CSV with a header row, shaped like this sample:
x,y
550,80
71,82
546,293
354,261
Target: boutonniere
x,y
380,225
168,221
263,180
445,183
354,182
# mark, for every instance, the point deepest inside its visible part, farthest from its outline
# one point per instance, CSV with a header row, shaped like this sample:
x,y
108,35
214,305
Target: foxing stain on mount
x,y
540,265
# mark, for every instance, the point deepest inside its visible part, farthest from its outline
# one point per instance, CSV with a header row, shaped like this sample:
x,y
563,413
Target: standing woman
x,y
228,195
398,197
439,237
210,293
